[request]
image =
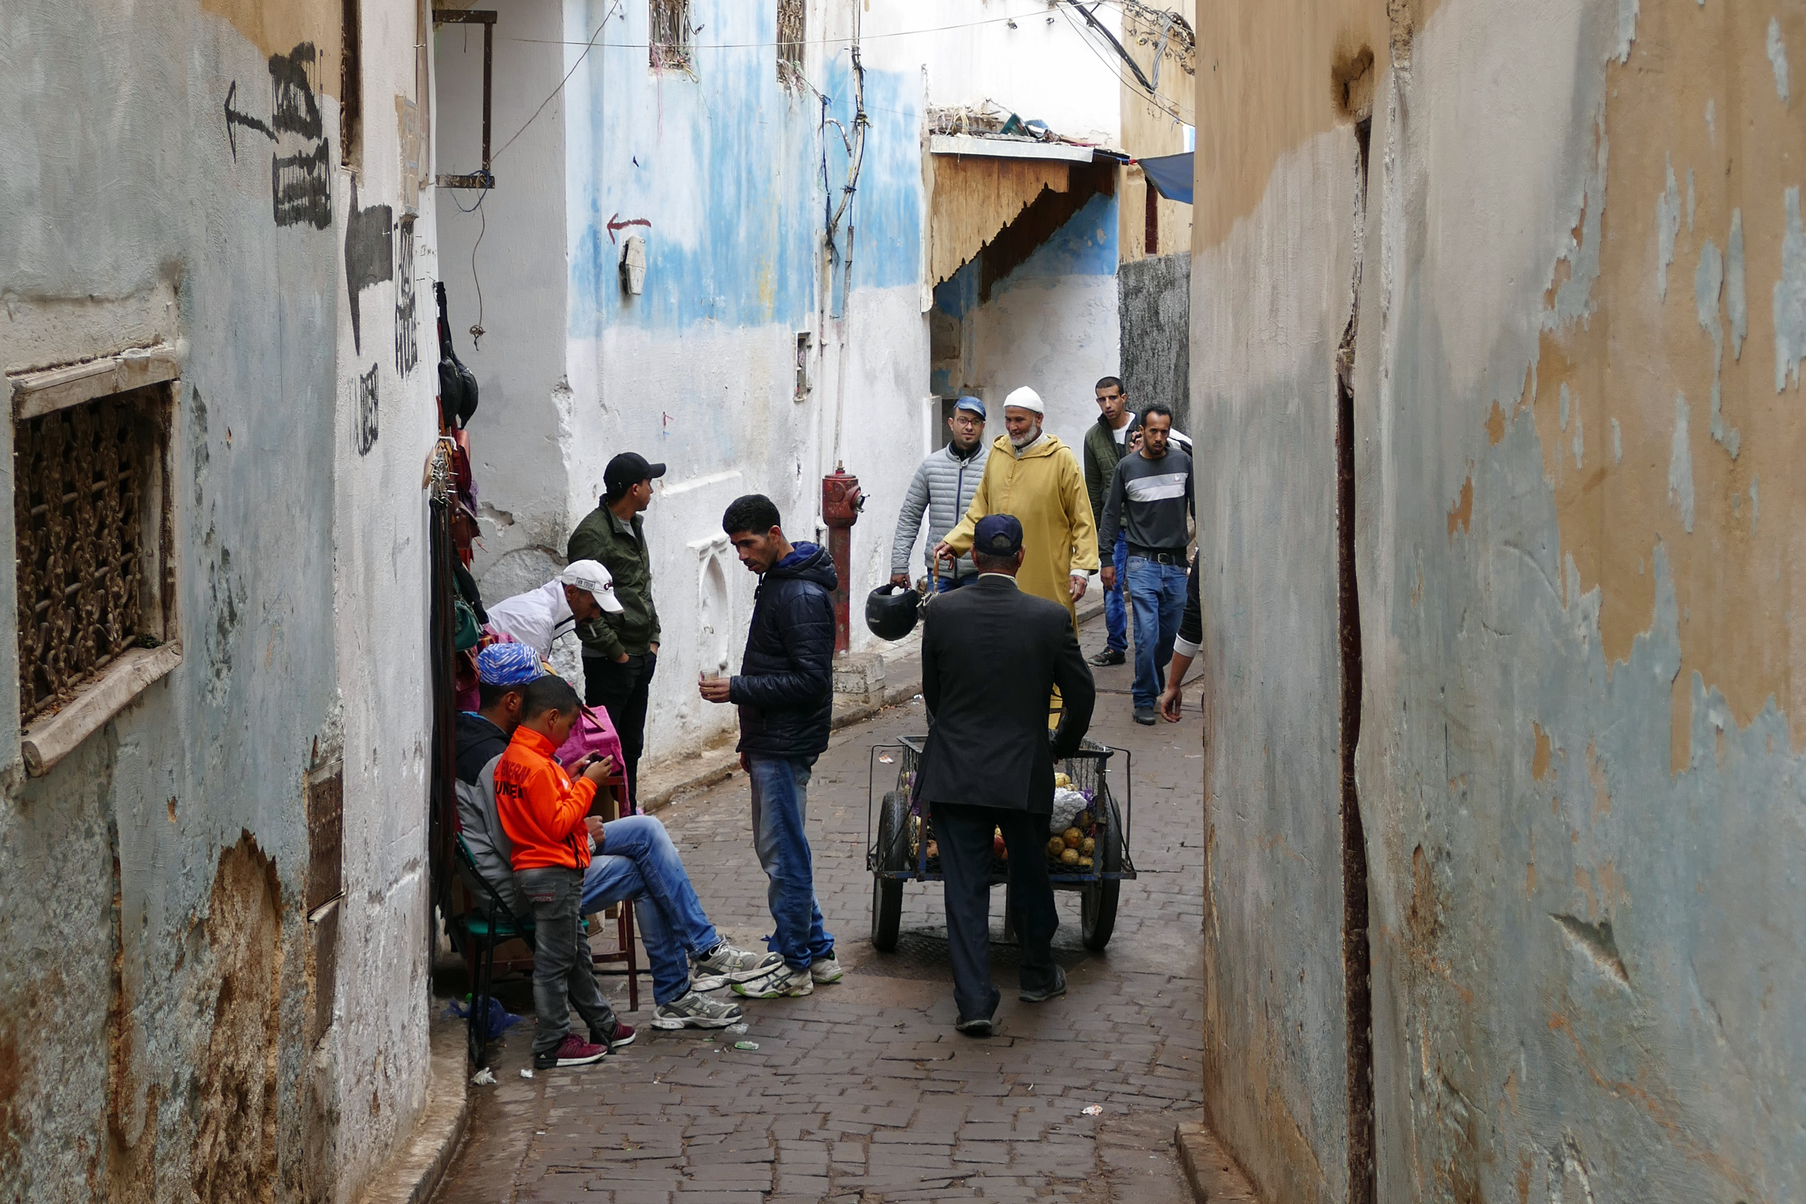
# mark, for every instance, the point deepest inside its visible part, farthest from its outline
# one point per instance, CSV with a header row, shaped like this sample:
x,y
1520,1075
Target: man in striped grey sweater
x,y
943,486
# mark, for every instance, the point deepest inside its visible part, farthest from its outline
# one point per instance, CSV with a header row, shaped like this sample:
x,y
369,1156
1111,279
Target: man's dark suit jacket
x,y
991,656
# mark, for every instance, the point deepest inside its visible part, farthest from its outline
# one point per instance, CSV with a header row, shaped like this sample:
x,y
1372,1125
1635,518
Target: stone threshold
x,y
1211,1173
413,1173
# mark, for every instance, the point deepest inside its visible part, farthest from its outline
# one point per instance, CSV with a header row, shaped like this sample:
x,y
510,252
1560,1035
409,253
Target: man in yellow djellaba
x,y
1035,476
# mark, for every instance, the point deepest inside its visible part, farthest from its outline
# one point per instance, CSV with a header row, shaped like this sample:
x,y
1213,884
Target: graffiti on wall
x,y
363,428
407,325
369,254
300,180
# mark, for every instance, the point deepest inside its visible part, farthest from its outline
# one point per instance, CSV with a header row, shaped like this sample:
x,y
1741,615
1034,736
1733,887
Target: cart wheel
x,y
887,893
887,913
1097,903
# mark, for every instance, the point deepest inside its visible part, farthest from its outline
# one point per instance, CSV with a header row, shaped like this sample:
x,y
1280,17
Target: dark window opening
x,y
1151,221
351,88
790,43
668,35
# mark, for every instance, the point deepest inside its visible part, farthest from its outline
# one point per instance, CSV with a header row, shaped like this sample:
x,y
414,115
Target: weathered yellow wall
x,y
1151,128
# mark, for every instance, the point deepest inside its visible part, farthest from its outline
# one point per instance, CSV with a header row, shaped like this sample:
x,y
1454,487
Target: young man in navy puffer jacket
x,y
785,692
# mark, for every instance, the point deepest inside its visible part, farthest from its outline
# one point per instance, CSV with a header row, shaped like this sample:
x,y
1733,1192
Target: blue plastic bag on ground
x,y
499,1020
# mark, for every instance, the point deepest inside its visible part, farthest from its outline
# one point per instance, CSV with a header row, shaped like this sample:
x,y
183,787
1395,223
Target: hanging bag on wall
x,y
457,386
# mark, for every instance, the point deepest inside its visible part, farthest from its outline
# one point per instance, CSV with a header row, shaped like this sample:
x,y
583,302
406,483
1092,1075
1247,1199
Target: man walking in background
x,y
621,652
943,486
785,692
1186,646
1150,499
989,761
1035,477
1105,444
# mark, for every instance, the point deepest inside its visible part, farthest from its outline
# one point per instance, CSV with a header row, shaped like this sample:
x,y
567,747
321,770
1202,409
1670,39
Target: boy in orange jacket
x,y
543,811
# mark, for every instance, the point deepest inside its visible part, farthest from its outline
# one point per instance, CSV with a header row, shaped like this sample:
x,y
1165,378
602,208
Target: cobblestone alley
x,y
863,1091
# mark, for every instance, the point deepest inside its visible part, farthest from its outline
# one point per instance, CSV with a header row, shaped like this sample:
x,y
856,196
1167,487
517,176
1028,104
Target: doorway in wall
x,y
1357,950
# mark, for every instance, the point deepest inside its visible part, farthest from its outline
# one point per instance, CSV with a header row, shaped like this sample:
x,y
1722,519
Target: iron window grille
x,y
89,525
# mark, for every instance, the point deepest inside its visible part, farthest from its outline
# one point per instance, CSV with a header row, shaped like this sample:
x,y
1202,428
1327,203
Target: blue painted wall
x,y
727,165
1085,246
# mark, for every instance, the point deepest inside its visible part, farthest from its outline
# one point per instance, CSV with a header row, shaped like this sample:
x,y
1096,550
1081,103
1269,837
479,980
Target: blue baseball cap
x,y
970,403
998,535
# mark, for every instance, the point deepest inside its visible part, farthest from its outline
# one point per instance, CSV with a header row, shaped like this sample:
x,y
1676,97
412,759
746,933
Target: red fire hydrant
x,y
841,503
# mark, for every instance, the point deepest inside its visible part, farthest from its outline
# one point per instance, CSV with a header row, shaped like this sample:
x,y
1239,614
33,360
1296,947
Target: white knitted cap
x,y
1025,398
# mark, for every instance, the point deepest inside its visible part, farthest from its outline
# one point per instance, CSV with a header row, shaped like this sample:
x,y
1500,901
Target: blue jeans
x,y
947,585
779,812
1157,592
1116,618
639,862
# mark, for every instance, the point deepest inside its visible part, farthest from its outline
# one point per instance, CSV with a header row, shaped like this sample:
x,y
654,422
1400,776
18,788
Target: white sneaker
x,y
724,964
696,1011
827,969
780,982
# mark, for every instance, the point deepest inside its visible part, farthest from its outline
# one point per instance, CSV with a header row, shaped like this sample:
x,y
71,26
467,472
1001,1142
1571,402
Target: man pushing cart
x,y
990,656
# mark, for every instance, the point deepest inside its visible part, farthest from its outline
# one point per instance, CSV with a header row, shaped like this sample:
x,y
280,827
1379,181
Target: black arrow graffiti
x,y
615,223
369,254
234,117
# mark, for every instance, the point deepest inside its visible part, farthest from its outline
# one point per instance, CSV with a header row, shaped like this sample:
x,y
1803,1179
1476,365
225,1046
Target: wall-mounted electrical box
x,y
633,264
805,343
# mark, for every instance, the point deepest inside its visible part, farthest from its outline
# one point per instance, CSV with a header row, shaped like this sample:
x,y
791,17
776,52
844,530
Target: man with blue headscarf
x,y
633,859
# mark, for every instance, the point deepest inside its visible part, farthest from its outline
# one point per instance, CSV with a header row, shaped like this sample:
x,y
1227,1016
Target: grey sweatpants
x,y
563,973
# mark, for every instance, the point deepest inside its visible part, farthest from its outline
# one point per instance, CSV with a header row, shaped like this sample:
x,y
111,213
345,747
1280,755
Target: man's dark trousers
x,y
964,834
621,689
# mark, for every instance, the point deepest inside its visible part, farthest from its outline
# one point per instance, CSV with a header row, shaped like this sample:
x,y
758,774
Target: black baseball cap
x,y
627,470
998,535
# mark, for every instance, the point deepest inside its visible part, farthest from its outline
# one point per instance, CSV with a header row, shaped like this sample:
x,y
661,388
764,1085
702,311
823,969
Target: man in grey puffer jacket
x,y
943,486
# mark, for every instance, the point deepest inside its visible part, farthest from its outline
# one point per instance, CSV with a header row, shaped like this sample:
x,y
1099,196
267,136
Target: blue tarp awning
x,y
1170,175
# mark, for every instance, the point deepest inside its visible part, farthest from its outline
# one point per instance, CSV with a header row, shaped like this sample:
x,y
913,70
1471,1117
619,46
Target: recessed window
x,y
790,43
90,529
351,87
668,35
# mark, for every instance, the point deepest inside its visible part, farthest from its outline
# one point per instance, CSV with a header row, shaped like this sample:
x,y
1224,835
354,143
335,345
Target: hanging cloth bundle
x,y
457,387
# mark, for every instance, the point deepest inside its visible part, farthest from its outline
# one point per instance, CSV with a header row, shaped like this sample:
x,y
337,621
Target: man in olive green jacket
x,y
621,652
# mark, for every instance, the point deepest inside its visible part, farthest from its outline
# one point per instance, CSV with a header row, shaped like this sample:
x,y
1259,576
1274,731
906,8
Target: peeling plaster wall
x,y
1575,520
524,396
1264,421
370,1070
158,987
1154,304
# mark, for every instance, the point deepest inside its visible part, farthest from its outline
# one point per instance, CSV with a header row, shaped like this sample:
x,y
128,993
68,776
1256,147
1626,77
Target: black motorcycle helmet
x,y
890,611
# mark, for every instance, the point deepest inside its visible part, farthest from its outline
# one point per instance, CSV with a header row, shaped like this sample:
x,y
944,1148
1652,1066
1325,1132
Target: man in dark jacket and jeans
x,y
785,692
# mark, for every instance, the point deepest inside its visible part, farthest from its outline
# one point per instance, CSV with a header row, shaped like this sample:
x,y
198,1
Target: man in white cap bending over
x,y
1035,477
571,601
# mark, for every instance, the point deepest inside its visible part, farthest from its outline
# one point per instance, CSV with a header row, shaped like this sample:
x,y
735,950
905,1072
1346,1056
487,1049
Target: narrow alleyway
x,y
863,1091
